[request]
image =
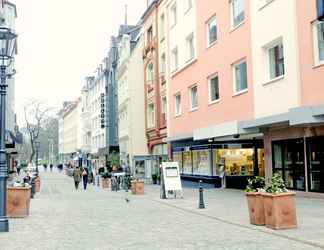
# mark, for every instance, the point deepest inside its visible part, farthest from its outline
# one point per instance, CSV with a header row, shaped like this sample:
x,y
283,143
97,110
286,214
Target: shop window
x,y
315,150
177,157
289,161
237,162
187,162
201,162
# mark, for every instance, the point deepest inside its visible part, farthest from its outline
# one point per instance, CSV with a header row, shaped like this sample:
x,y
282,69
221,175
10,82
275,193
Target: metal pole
x,y
201,196
4,224
36,160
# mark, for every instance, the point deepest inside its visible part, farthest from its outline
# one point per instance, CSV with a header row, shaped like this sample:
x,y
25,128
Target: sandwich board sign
x,y
171,179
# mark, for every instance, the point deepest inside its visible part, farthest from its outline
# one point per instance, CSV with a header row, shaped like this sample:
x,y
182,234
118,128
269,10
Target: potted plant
x,y
255,200
113,159
105,182
154,178
18,200
279,205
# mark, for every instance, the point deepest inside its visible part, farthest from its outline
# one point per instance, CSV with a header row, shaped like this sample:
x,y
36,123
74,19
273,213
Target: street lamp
x,y
36,160
7,51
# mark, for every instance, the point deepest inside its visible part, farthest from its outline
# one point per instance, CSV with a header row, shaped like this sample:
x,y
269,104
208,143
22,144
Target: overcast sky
x,y
63,41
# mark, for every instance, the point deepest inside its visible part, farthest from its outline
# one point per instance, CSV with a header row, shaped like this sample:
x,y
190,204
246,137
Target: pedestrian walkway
x,y
62,218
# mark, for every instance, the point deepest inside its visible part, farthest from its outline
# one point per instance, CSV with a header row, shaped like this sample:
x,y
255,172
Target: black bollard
x,y
201,196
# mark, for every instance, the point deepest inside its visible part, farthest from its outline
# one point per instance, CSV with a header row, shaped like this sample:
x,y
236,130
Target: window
x,y
190,47
188,5
194,97
162,23
163,63
164,105
276,61
178,104
150,72
213,89
150,116
173,14
174,59
149,36
237,12
319,42
211,31
240,77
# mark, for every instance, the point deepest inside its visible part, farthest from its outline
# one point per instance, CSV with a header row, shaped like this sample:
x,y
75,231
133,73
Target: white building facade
x,y
131,101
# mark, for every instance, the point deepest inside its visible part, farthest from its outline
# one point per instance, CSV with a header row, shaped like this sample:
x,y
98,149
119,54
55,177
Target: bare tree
x,y
36,113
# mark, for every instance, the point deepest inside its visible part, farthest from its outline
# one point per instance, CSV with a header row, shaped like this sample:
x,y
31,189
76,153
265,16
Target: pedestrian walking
x,y
45,167
85,175
51,167
77,177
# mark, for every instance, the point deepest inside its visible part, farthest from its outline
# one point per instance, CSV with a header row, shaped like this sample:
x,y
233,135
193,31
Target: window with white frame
x,y
174,57
164,105
190,46
213,87
173,15
150,72
188,5
162,23
193,97
319,42
238,14
178,104
276,61
163,63
150,116
240,77
211,31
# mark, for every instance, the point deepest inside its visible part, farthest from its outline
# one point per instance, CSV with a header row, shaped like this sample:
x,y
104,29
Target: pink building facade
x,y
249,101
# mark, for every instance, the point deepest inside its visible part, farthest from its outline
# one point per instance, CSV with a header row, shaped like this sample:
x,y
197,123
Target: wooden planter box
x,y
37,184
105,182
256,208
18,201
280,210
137,187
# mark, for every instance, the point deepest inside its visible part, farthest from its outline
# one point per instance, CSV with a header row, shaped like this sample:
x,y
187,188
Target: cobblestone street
x,y
62,218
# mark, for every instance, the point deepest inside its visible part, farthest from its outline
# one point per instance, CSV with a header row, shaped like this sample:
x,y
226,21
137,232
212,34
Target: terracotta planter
x,y
280,210
137,187
105,182
37,184
18,202
256,208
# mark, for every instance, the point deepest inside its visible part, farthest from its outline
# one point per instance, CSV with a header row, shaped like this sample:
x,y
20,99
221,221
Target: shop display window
x,y
187,162
315,150
237,162
201,162
177,157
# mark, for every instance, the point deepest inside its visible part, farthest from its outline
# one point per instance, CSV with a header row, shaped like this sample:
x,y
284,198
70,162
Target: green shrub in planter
x,y
106,175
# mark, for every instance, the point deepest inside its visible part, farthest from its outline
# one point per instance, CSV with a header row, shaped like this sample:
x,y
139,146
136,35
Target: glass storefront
x,y
187,162
201,162
177,157
289,161
315,156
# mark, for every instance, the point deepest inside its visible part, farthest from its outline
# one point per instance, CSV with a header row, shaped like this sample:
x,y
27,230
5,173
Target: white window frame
x,y
191,48
277,43
234,78
174,59
188,6
209,89
173,15
163,64
162,27
150,74
192,108
151,123
234,26
177,110
317,60
164,107
213,18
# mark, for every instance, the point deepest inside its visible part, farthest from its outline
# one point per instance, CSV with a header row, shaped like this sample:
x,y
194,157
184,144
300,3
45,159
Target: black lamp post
x,y
7,51
36,156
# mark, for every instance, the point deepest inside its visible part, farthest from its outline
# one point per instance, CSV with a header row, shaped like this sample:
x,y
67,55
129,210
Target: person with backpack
x,y
85,175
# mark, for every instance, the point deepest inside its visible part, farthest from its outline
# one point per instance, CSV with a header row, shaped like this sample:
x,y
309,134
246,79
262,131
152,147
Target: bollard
x,y
201,196
33,188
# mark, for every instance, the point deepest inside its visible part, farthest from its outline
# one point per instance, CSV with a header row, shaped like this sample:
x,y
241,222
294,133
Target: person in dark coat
x,y
85,176
51,167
